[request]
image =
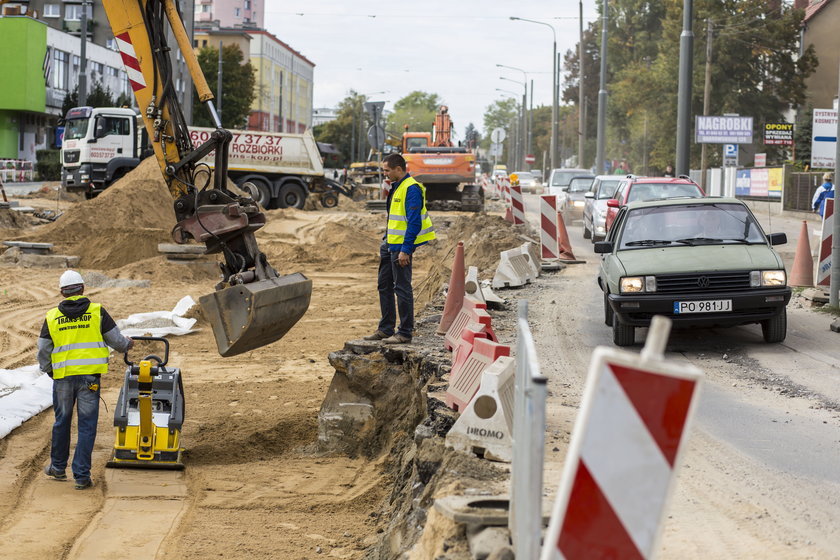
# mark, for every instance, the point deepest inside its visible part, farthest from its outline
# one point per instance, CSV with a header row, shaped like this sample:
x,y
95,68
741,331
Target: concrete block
x,y
485,541
178,249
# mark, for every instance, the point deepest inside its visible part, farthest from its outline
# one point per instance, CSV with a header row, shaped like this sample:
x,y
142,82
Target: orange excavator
x,y
447,171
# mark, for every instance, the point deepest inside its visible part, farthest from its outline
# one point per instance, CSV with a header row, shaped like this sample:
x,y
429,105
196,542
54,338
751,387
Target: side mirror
x,y
777,238
603,247
612,203
589,194
565,189
99,129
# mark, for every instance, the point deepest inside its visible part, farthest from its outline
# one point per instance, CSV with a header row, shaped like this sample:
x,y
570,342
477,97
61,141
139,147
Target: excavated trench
x,y
388,402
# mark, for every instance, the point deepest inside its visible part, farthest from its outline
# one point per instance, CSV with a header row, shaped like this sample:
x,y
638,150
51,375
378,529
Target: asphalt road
x,y
773,408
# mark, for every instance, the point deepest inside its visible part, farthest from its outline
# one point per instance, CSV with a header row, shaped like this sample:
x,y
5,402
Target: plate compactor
x,y
149,414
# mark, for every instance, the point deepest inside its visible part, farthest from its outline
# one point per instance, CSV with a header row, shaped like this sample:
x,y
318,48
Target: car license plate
x,y
703,306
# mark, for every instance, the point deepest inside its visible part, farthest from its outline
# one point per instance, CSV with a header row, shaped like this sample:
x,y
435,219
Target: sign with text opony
x,y
723,130
778,134
823,138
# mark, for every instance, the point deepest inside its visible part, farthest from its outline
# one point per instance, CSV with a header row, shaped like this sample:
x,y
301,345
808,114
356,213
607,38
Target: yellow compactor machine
x,y
149,414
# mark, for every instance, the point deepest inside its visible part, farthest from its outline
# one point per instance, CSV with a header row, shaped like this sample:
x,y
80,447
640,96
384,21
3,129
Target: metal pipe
x,y
602,96
707,93
683,165
187,51
581,122
219,81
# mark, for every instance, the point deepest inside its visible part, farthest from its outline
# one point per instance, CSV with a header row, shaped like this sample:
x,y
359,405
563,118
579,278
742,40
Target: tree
x,y
756,71
339,131
502,113
98,96
238,81
417,110
471,136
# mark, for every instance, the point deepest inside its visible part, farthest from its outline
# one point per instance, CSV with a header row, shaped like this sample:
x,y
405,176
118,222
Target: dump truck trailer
x,y
103,144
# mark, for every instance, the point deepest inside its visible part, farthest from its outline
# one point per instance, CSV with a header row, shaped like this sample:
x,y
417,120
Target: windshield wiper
x,y
707,240
647,242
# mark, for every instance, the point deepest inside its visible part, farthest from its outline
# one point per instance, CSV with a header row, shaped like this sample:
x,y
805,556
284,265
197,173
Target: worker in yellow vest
x,y
409,226
73,350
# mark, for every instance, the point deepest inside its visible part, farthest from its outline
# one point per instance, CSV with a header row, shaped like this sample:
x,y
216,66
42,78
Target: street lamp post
x,y
554,109
514,142
526,128
602,97
684,91
83,55
361,130
520,146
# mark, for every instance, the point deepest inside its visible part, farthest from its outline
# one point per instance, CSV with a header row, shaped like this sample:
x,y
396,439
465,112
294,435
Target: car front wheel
x,y
774,329
623,335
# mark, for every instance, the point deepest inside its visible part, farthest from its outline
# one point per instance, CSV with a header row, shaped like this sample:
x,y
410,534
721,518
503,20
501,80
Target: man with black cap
x,y
73,351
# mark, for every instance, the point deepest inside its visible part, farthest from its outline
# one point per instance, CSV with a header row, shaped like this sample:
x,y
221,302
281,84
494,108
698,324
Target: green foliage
x,y
417,110
238,86
339,132
48,165
756,70
98,96
802,137
502,113
471,136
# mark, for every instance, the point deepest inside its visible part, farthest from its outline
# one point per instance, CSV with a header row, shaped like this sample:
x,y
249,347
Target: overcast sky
x,y
449,48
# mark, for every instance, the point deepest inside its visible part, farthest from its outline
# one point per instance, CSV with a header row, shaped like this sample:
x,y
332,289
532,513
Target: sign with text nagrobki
x,y
778,134
723,129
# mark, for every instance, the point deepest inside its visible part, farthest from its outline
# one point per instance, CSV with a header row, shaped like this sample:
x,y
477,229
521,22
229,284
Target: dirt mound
x,y
10,219
159,269
484,237
122,225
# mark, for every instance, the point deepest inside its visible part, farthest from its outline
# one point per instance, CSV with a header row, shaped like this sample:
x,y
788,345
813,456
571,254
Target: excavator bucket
x,y
248,316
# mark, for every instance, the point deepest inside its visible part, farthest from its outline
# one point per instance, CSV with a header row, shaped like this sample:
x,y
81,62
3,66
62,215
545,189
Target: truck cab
x,y
100,146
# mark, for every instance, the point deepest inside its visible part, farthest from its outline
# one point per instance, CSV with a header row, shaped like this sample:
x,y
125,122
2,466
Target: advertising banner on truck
x,y
267,152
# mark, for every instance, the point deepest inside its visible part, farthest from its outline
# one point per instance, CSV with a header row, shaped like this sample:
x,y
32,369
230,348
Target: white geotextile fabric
x,y
154,323
24,392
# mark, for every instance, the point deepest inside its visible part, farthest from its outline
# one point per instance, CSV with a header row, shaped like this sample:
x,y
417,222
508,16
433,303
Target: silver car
x,y
595,206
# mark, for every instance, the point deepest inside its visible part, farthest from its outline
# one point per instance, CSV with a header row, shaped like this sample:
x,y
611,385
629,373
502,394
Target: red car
x,y
633,188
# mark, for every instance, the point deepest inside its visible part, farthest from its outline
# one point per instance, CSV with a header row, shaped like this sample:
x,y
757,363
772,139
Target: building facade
x,y
321,115
285,85
48,36
820,30
230,13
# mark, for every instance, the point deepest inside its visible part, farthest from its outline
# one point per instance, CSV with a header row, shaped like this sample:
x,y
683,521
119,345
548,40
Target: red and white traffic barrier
x,y
465,377
824,261
550,247
505,182
517,205
624,452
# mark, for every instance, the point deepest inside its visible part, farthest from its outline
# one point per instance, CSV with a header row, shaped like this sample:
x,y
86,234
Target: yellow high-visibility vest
x,y
78,346
397,221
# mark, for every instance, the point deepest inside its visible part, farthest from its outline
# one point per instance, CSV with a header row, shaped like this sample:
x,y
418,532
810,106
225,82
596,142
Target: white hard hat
x,y
70,278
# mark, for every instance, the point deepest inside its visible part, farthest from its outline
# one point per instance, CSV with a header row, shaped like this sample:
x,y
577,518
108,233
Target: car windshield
x,y
691,224
606,189
658,191
524,176
562,178
580,184
75,129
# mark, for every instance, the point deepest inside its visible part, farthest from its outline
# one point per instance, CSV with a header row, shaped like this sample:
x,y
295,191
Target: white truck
x,y
103,144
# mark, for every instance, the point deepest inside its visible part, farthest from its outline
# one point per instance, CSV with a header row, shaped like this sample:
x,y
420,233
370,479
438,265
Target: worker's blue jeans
x,y
395,280
68,392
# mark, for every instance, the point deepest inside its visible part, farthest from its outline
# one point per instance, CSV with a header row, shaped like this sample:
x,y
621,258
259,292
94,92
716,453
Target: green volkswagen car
x,y
701,262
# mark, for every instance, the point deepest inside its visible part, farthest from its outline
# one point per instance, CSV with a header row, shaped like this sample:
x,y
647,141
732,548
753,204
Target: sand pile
x,y
484,237
10,219
122,225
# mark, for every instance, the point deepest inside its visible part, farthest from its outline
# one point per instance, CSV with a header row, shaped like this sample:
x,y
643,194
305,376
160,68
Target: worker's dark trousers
x,y
395,280
69,392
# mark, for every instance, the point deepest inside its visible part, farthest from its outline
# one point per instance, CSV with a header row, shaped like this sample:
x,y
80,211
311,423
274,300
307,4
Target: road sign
x,y
374,110
730,155
496,149
498,135
624,451
530,158
761,160
376,137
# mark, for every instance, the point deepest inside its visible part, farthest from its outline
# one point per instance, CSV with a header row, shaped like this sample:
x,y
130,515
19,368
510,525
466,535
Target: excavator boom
x,y
253,305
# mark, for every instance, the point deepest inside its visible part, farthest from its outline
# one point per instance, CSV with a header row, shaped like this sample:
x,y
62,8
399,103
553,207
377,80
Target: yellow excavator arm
x,y
253,305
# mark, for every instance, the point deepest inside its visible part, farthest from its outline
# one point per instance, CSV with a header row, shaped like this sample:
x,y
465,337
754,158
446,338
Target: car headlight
x,y
637,284
760,278
579,203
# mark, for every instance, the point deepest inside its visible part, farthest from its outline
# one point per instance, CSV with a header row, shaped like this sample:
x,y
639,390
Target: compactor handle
x,y
159,339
